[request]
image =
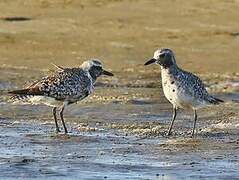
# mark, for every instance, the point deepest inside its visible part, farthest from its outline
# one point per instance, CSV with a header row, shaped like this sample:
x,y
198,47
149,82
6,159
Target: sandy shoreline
x,y
68,32
119,132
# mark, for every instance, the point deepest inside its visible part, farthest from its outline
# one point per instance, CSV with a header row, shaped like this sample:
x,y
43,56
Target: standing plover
x,y
181,88
65,86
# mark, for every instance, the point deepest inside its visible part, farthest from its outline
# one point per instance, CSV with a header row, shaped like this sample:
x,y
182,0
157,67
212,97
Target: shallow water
x,y
119,131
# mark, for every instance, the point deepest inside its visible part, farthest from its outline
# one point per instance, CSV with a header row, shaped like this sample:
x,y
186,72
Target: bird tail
x,y
24,93
18,94
214,100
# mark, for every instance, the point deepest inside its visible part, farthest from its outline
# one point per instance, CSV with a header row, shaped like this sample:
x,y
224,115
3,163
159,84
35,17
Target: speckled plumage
x,y
71,84
64,87
182,89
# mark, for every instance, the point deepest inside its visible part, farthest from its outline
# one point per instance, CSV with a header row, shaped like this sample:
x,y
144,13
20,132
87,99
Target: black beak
x,y
107,73
150,61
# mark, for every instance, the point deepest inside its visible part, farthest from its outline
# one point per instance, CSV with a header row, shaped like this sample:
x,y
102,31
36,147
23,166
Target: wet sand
x,y
120,135
119,131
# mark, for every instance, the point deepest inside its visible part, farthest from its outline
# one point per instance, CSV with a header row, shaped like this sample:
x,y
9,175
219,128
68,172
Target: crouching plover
x,y
66,86
181,88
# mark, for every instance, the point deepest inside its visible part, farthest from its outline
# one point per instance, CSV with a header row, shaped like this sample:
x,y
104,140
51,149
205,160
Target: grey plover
x,y
64,87
182,89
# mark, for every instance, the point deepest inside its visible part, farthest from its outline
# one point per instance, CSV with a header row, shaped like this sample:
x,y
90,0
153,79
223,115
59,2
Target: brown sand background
x,y
123,33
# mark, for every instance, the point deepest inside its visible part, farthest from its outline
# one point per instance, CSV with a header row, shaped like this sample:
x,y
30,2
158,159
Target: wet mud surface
x,y
119,131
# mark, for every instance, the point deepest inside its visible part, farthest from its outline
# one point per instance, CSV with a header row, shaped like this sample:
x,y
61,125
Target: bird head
x,y
164,57
94,67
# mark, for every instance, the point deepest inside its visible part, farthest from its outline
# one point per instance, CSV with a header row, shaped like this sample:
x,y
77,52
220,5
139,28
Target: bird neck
x,y
92,76
173,69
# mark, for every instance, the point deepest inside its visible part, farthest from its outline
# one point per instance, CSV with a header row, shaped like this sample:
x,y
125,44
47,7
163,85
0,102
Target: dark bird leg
x,y
171,125
62,119
195,120
54,115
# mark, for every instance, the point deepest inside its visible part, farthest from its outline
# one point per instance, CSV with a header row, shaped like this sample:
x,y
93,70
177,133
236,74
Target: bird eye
x,y
98,67
162,55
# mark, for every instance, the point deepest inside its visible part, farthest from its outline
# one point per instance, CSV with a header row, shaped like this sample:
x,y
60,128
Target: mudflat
x,y
119,131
